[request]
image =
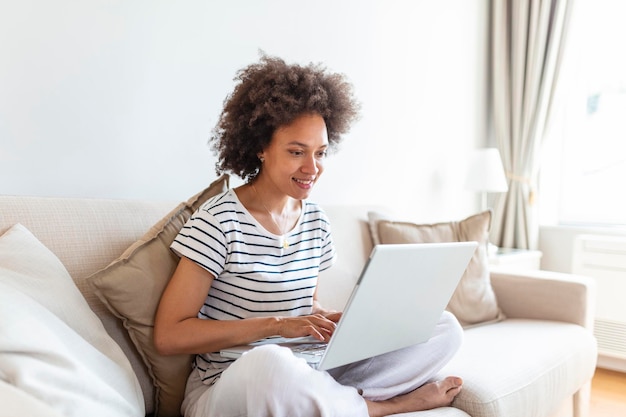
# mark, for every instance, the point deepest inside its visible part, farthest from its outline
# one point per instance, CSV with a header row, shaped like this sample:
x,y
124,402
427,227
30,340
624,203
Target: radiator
x,y
604,258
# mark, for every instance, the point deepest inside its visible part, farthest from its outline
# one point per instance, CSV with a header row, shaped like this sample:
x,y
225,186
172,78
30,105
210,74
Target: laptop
x,y
397,301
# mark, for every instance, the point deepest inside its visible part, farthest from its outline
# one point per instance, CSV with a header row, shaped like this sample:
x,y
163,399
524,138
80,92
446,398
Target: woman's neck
x,y
277,213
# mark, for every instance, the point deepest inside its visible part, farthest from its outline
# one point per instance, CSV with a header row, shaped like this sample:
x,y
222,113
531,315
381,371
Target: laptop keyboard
x,y
316,349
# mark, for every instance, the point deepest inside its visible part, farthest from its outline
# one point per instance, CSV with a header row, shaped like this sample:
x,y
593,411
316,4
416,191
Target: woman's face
x,y
293,161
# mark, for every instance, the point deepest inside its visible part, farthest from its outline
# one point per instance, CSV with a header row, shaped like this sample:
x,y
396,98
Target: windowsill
x,y
599,228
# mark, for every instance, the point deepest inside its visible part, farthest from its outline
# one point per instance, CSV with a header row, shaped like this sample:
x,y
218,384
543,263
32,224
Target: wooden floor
x,y
608,394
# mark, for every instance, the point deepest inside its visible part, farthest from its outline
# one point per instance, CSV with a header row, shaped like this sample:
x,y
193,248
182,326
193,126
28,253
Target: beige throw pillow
x,y
473,301
131,288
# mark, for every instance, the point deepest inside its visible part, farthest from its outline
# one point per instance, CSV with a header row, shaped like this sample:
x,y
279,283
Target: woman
x,y
249,260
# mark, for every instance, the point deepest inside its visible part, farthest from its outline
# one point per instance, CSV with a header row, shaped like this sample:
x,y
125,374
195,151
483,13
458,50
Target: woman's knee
x,y
252,381
269,365
450,329
270,380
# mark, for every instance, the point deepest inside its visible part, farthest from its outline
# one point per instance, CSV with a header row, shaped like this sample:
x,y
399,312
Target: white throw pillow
x,y
52,346
16,402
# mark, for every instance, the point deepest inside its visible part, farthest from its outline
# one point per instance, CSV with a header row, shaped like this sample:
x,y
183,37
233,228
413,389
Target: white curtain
x,y
527,39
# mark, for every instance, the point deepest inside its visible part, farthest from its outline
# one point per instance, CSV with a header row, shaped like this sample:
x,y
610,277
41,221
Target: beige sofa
x,y
538,361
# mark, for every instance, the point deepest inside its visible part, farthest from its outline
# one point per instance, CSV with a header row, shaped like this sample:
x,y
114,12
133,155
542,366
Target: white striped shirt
x,y
255,274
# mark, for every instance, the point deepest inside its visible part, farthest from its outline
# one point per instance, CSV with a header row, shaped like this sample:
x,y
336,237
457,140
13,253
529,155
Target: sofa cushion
x,y
131,288
436,412
473,301
52,345
505,364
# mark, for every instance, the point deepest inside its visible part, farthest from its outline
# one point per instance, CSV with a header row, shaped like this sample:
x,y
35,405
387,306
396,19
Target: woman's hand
x,y
315,325
331,315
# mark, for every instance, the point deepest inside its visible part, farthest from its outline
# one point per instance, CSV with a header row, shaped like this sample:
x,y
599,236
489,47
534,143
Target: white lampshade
x,y
485,172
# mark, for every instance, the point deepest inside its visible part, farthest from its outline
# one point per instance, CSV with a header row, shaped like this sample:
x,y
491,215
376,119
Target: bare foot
x,y
426,397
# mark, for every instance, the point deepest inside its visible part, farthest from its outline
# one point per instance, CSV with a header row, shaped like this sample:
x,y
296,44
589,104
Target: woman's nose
x,y
311,165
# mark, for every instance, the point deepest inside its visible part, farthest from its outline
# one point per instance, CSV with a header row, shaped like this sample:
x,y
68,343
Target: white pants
x,y
271,381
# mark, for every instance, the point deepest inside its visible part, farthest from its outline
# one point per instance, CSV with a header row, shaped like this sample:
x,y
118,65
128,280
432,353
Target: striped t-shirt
x,y
257,273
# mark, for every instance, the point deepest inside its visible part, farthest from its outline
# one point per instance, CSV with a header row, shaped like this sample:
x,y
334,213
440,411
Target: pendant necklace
x,y
284,242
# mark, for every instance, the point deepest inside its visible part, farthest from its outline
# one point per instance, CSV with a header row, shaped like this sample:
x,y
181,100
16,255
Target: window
x,y
590,120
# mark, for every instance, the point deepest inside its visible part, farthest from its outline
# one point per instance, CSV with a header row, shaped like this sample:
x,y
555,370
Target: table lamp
x,y
486,174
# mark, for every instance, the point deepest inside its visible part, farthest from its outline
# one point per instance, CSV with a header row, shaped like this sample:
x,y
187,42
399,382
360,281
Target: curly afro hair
x,y
271,94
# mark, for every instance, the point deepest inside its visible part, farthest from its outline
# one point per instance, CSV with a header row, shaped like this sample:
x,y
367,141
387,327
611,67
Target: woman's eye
x,y
322,154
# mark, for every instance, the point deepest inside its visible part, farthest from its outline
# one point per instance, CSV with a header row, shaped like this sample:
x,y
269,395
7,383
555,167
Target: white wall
x,y
116,98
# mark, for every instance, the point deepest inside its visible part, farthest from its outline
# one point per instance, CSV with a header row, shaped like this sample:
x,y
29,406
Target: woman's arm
x,y
177,329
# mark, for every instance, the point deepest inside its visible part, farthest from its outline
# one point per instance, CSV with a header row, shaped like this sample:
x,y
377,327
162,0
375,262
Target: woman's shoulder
x,y
222,202
313,210
217,209
311,206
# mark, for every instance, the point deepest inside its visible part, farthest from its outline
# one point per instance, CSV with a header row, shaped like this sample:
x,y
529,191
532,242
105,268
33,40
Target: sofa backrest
x,y
352,239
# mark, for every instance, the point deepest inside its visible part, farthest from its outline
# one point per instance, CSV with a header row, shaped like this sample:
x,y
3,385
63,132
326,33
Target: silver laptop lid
x,y
398,299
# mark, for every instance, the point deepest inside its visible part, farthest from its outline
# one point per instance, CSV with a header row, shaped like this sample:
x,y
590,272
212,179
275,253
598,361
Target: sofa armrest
x,y
16,402
545,295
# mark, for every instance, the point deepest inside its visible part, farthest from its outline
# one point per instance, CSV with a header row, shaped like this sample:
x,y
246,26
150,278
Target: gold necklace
x,y
284,244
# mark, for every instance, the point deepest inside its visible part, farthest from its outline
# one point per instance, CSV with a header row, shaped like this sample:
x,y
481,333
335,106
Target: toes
x,y
451,382
451,385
